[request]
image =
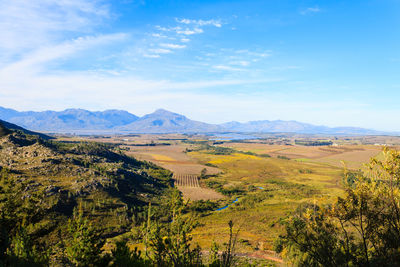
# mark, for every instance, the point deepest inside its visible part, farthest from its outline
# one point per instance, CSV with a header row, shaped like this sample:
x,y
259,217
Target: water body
x,y
236,200
233,136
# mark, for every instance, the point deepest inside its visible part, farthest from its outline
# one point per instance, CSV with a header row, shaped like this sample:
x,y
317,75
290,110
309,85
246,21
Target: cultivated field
x,y
187,180
352,155
189,185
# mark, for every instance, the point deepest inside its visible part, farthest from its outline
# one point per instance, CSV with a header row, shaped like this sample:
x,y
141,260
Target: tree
x,y
84,246
23,252
203,173
123,256
17,212
362,228
170,242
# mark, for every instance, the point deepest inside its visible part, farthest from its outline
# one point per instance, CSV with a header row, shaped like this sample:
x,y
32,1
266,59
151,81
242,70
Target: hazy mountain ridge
x,y
160,121
69,119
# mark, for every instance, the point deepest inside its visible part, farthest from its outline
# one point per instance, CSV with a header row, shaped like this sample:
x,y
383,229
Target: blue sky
x,y
335,63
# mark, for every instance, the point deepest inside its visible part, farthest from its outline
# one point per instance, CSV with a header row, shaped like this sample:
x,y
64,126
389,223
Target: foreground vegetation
x,y
362,228
165,233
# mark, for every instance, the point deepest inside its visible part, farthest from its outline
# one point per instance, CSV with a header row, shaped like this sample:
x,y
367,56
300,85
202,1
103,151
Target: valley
x,y
270,177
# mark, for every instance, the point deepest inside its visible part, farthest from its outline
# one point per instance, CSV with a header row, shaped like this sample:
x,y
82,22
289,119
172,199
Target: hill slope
x,y
7,127
3,130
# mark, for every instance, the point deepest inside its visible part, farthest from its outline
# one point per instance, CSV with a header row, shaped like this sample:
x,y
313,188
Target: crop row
x,y
190,180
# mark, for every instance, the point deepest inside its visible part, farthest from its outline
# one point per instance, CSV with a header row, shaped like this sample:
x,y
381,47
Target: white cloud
x,y
180,30
157,35
151,56
185,40
212,22
173,46
36,60
226,68
160,51
242,63
190,31
29,24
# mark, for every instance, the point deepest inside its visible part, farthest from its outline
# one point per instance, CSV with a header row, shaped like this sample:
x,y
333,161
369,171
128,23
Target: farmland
x,y
186,180
353,156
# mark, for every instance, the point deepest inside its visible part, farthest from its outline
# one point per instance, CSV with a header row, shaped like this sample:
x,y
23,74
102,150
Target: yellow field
x,y
158,157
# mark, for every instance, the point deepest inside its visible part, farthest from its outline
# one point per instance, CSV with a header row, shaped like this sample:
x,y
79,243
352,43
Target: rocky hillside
x,y
51,178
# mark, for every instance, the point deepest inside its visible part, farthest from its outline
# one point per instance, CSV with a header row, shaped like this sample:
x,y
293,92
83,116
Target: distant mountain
x,y
280,126
69,119
6,128
272,126
163,121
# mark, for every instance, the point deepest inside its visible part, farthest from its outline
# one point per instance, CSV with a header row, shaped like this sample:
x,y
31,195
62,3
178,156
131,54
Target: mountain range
x,y
160,121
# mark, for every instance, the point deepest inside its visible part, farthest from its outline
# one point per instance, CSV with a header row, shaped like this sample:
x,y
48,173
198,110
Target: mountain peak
x,y
162,111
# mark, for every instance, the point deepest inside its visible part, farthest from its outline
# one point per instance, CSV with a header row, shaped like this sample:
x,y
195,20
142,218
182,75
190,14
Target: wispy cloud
x,y
242,63
200,22
310,10
190,31
226,68
179,32
196,26
29,24
151,56
158,35
36,60
160,51
173,46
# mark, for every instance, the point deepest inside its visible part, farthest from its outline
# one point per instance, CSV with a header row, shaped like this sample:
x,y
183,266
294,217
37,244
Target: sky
x,y
333,63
